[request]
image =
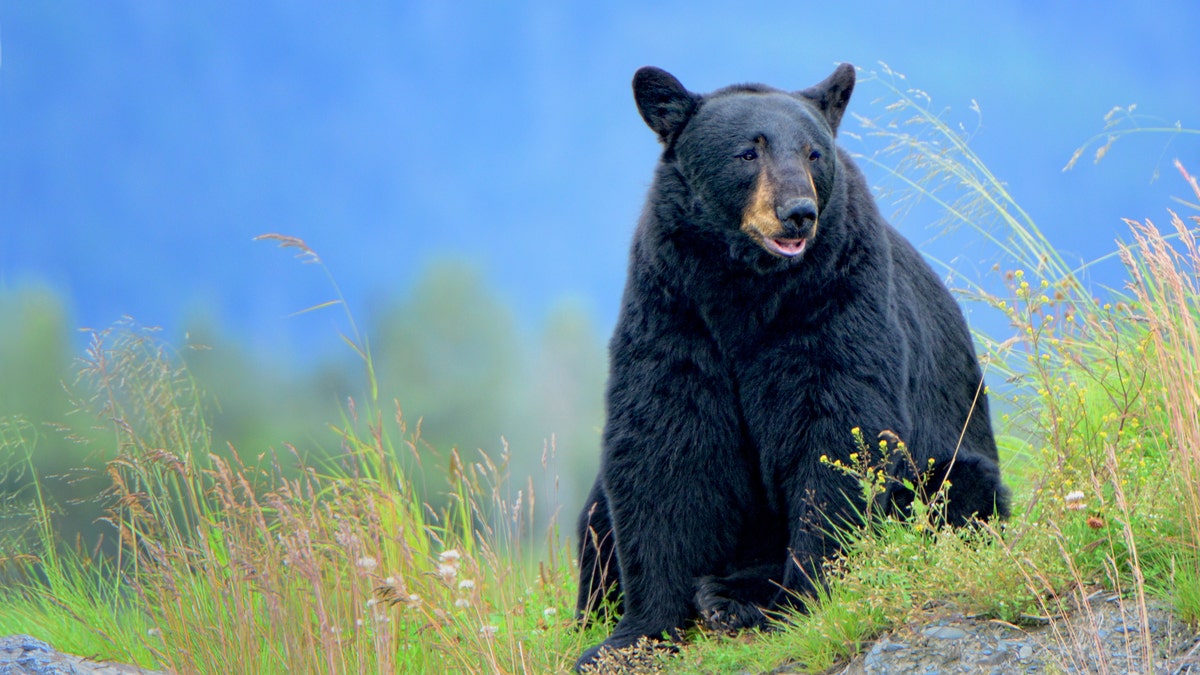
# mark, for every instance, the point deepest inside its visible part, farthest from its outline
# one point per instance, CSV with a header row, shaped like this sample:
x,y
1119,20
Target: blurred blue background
x,y
488,153
142,145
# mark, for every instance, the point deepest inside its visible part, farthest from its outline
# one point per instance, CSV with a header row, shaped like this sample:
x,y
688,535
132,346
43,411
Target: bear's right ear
x,y
662,100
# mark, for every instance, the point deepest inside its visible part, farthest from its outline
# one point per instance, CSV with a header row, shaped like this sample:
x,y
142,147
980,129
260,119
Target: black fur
x,y
735,368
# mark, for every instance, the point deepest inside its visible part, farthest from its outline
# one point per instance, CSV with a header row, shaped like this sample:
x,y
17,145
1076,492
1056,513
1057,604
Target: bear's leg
x,y
738,598
678,474
821,500
975,490
810,545
599,579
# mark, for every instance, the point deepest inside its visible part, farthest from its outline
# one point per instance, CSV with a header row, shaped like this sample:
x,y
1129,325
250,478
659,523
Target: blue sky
x,y
143,145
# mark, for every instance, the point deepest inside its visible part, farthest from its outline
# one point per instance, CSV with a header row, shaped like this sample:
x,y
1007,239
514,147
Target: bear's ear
x,y
662,100
832,95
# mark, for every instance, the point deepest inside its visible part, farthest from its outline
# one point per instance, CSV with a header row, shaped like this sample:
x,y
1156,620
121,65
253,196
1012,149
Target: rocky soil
x,y
1108,635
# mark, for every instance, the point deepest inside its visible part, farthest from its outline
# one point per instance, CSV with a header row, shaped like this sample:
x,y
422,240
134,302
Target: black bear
x,y
769,310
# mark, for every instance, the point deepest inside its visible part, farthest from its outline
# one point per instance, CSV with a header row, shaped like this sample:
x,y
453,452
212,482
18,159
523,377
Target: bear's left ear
x,y
662,100
832,95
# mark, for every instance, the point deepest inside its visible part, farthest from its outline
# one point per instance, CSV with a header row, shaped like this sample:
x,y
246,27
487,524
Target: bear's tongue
x,y
788,247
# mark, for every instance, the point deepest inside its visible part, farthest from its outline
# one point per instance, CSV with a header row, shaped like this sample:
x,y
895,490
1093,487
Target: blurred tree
x,y
567,381
35,365
35,354
257,405
449,353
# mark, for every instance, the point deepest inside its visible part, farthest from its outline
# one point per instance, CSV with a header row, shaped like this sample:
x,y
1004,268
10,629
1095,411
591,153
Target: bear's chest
x,y
788,351
751,321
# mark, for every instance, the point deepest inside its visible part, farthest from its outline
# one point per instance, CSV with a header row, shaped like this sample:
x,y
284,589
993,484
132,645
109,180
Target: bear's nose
x,y
799,213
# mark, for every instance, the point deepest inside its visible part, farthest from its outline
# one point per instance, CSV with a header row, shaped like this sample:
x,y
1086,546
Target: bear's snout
x,y
781,226
798,216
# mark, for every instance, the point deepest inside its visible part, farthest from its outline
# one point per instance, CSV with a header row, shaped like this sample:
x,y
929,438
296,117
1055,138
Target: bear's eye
x,y
749,155
814,155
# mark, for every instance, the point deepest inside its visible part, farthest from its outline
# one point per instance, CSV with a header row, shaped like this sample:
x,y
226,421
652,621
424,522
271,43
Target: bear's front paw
x,y
723,613
976,491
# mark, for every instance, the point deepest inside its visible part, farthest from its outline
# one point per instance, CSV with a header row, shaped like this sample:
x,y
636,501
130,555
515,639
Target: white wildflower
x,y
447,572
450,555
488,632
466,584
549,612
1074,500
462,603
367,563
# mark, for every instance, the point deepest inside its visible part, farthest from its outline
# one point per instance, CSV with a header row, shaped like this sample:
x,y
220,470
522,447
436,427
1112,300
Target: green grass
x,y
277,565
271,562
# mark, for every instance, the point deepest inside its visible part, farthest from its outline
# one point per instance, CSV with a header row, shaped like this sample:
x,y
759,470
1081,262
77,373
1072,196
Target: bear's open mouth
x,y
788,248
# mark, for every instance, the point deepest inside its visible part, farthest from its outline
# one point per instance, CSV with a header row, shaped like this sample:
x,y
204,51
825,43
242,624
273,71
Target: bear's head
x,y
758,165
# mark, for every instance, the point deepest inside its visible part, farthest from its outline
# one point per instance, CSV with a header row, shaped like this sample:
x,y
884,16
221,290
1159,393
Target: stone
x,y
945,633
27,655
